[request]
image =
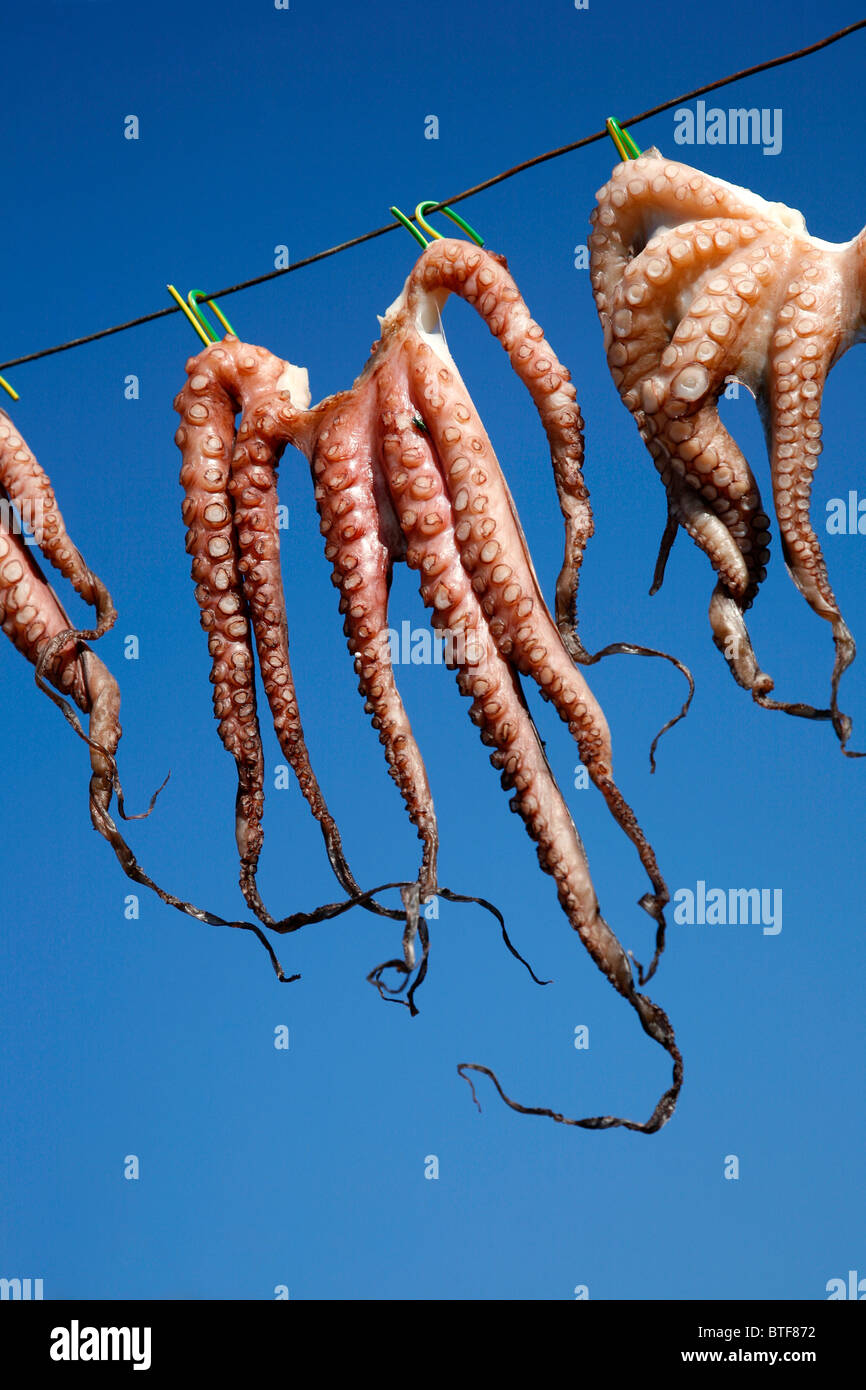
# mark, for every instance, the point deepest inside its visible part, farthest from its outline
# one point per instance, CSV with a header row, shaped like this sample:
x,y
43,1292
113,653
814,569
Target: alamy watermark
x,y
851,1288
737,126
712,907
846,516
77,1343
23,1289
25,520
419,646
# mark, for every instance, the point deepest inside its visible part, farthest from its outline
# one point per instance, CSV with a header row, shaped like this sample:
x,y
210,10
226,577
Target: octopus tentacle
x,y
252,488
681,410
206,438
688,510
669,535
797,371
487,535
672,361
499,710
99,698
362,546
660,1116
31,616
649,312
483,280
28,487
714,497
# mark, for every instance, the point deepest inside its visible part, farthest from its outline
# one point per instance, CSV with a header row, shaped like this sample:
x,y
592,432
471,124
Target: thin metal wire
x,y
454,198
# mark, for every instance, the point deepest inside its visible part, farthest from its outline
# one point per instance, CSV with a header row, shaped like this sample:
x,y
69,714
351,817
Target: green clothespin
x,y
419,217
194,297
197,317
626,147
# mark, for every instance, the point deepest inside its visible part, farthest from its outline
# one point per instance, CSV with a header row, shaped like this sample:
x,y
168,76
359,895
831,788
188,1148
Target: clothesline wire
x,y
455,198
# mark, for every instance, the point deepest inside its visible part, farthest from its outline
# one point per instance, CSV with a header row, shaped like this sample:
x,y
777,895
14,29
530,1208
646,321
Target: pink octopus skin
x,y
403,469
696,282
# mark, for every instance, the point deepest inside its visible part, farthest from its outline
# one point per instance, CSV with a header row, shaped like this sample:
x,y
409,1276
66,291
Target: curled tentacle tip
x,y
140,815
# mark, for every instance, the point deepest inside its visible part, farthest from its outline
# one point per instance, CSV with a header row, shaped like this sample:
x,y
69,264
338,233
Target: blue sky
x,y
154,1037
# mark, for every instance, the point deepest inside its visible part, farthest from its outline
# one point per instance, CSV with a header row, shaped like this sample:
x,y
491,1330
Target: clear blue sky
x,y
154,1037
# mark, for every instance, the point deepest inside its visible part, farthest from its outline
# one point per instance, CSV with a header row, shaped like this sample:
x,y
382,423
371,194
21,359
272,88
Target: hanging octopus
x,y
697,281
404,470
33,617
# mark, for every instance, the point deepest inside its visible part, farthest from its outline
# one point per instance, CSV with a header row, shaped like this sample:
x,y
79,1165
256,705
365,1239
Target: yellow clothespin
x,y
11,389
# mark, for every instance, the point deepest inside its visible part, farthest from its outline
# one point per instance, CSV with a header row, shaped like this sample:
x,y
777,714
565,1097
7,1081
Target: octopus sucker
x,y
750,296
406,448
